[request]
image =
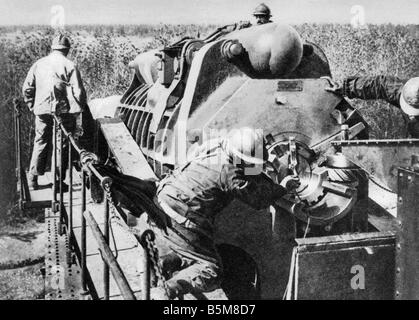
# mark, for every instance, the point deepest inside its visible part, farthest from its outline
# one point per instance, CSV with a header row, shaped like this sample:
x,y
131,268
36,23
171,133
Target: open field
x,y
103,54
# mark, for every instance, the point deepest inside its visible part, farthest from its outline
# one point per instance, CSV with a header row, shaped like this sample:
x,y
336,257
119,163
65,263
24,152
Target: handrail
x,y
109,260
18,150
68,135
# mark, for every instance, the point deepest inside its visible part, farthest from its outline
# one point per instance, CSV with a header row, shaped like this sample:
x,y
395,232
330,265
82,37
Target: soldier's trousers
x,y
42,147
189,260
186,275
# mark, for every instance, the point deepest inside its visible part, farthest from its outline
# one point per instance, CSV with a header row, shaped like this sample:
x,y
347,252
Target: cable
x,y
288,289
379,185
307,227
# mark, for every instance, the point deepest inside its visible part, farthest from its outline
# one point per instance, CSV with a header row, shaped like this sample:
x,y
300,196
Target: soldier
x,y
262,14
399,93
53,85
195,193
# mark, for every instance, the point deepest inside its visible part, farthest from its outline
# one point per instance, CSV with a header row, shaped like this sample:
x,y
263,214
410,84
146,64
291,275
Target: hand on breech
x,y
290,183
334,87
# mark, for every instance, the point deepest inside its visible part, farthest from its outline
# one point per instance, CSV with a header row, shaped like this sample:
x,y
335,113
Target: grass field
x,y
103,53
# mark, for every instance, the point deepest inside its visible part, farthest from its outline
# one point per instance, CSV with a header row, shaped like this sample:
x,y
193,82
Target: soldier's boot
x,y
33,181
65,185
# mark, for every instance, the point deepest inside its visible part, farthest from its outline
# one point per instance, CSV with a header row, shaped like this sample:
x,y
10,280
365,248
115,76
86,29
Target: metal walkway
x,y
91,251
63,257
63,279
123,245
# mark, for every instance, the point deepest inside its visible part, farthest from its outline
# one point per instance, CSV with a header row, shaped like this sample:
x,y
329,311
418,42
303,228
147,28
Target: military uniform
x,y
192,196
388,88
378,87
53,85
262,10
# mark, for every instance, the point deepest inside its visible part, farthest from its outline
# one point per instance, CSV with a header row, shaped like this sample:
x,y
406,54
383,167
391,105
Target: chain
x,y
111,204
153,254
150,246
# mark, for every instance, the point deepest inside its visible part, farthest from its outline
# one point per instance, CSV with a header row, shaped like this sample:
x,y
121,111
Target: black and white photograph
x,y
228,151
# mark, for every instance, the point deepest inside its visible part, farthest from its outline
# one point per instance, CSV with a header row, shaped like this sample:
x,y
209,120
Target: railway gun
x,y
329,240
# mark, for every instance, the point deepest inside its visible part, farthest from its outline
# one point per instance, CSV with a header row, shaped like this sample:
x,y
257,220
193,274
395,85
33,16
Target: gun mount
x,y
264,77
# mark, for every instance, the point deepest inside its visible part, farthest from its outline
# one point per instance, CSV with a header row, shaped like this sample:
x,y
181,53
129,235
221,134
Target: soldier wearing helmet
x,y
53,85
262,13
192,196
399,93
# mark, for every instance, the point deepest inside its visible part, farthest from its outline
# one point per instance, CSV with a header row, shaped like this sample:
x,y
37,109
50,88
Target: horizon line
x,y
197,24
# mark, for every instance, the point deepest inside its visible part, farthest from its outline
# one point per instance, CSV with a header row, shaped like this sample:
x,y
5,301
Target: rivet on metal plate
x,y
281,99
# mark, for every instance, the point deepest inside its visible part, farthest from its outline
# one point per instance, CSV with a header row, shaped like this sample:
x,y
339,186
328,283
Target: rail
x,y
145,238
108,256
18,151
110,263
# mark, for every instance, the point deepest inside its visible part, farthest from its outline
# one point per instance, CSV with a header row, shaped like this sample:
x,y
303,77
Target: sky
x,y
18,12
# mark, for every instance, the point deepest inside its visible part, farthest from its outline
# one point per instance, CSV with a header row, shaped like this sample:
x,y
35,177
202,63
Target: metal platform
x,y
123,244
63,280
62,269
62,272
63,257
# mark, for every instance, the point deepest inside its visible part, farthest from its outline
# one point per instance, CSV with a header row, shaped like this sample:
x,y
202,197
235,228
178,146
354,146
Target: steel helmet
x,y
248,145
409,99
60,42
262,10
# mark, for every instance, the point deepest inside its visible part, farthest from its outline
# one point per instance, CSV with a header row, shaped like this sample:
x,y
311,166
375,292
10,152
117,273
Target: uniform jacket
x,y
54,84
208,183
388,88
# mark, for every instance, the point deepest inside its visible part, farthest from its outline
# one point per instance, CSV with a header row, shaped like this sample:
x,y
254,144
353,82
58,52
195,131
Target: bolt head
x,y
236,49
280,99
